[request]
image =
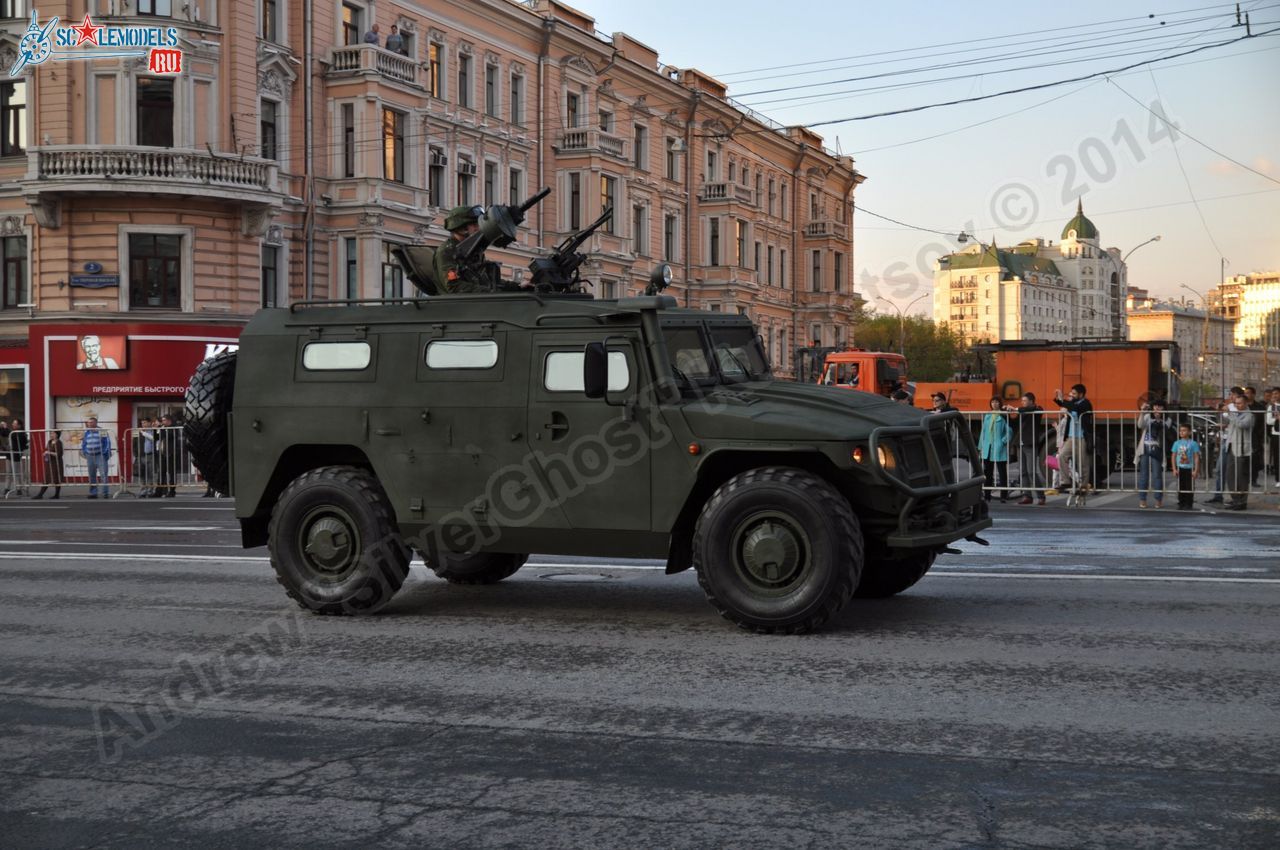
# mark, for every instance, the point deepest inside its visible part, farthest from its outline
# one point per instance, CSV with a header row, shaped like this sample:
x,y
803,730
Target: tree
x,y
933,353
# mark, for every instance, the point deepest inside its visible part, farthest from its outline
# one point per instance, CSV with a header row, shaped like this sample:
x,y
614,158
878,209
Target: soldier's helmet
x,y
460,217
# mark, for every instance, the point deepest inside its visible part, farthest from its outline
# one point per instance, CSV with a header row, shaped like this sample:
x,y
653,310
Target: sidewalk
x,y
1260,504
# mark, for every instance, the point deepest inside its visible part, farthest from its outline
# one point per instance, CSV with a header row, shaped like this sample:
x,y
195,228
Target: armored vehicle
x,y
475,429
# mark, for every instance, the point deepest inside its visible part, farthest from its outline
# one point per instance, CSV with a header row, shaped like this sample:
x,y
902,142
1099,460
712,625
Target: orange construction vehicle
x,y
1120,378
878,372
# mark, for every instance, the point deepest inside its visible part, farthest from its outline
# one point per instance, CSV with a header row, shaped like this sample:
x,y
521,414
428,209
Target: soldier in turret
x,y
451,276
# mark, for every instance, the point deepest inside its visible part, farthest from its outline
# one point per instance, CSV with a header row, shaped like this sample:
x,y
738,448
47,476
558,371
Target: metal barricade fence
x,y
35,462
1056,454
155,463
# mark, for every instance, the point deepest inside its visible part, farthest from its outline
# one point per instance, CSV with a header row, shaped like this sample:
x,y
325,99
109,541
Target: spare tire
x,y
204,425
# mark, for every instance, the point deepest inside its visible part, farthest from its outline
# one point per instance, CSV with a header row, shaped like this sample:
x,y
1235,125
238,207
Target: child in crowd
x,y
1186,459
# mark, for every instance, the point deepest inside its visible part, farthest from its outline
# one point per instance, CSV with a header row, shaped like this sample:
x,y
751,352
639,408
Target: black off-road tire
x,y
883,576
482,568
204,419
777,550
334,545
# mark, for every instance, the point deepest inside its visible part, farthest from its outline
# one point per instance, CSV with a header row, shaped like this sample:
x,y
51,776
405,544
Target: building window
x,y
491,90
464,81
350,265
813,206
13,118
348,140
155,7
669,237
515,179
608,200
155,112
773,194
838,267
270,276
352,18
466,180
713,167
14,288
817,335
435,176
768,258
393,145
640,230
673,160
785,212
575,201
713,229
606,121
641,144
782,269
392,273
267,122
740,234
490,183
816,277
782,348
517,99
756,264
271,20
572,110
759,183
433,70
733,171
155,271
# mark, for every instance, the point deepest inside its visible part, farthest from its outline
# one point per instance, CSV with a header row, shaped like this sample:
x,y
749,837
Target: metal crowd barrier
x,y
41,464
1107,456
156,464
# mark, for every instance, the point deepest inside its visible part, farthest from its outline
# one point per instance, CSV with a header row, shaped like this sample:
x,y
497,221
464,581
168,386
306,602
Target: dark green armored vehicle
x,y
475,429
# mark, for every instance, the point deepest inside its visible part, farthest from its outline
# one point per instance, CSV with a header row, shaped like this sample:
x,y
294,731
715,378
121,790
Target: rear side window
x,y
563,373
336,356
462,354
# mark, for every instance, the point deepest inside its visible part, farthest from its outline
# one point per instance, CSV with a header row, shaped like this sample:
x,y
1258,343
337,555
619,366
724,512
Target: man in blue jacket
x,y
95,447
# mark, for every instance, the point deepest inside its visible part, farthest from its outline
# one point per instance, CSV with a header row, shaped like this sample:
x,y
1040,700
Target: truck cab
x,y
878,372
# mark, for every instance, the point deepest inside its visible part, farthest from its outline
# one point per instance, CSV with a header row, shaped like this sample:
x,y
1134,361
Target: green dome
x,y
1082,226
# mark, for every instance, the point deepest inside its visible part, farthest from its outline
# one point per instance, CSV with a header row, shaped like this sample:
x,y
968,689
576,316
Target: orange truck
x,y
1119,377
878,372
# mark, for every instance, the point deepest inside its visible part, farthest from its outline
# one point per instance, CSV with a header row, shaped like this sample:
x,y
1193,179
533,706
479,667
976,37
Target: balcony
x,y
590,140
826,229
55,171
726,193
371,60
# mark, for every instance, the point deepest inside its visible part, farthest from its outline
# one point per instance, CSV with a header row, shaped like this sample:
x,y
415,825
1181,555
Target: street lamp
x,y
1204,341
902,319
1136,247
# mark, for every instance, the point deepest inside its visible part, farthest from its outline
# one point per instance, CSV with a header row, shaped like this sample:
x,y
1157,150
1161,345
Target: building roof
x,y
1015,263
1084,228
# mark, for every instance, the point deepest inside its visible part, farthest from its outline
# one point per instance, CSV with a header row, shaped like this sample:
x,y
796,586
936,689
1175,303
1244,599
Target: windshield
x,y
724,355
845,374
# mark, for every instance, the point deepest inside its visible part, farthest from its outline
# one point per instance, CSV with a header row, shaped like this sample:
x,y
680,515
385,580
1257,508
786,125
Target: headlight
x,y
885,455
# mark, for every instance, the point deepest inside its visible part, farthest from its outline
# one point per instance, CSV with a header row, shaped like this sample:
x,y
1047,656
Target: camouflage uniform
x,y
451,278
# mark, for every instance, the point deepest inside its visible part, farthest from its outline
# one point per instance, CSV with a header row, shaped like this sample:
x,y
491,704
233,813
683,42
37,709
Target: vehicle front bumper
x,y
937,510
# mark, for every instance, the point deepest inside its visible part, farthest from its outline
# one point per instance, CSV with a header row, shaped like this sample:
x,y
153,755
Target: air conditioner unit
x,y
467,167
439,158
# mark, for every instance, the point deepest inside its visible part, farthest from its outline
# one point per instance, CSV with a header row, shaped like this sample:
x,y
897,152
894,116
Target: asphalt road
x,y
1094,678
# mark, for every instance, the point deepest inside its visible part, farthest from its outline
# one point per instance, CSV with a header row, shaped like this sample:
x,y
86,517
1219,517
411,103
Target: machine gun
x,y
560,271
497,229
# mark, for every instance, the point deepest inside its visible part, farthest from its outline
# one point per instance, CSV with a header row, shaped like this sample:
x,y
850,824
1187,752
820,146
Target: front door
x,y
593,457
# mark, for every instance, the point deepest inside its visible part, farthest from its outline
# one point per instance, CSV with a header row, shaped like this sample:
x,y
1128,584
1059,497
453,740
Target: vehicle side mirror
x,y
595,370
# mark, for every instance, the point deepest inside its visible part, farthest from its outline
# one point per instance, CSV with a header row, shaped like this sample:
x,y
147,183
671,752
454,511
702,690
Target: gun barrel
x,y
535,200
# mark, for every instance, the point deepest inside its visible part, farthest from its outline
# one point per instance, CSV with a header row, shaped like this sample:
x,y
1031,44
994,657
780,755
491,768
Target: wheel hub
x,y
772,554
328,544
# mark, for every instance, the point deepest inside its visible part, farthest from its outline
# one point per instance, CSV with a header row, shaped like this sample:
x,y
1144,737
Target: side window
x,y
562,372
336,356
462,354
684,346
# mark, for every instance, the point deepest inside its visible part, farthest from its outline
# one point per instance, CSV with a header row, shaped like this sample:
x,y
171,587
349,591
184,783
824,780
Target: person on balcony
x,y
373,36
395,41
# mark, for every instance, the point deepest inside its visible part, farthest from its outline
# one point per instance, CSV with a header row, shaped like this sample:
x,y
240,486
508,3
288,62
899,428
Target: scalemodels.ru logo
x,y
88,40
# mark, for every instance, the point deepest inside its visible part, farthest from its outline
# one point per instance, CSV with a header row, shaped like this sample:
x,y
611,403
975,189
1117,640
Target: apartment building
x,y
1253,302
279,151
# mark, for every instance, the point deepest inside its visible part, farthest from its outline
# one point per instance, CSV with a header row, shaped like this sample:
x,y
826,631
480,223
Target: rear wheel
x,y
883,576
204,419
334,545
777,549
483,568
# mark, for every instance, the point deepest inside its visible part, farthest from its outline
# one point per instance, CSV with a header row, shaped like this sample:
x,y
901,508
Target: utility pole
x,y
902,320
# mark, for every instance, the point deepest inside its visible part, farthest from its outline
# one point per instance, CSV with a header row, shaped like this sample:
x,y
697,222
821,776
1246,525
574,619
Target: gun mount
x,y
560,272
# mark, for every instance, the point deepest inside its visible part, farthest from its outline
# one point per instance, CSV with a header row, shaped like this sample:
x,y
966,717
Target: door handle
x,y
387,432
557,425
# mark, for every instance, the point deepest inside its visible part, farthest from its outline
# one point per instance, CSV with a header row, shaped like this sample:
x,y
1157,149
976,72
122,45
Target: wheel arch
x,y
295,461
718,468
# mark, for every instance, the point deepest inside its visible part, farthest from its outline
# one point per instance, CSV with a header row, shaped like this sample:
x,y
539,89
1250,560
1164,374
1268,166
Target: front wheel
x,y
777,549
334,545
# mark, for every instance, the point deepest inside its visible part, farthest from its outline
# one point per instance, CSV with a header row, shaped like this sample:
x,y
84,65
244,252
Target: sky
x,y
1018,173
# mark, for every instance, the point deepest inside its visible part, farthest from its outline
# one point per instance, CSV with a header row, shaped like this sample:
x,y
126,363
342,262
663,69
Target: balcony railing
x,y
714,192
826,229
592,140
357,58
139,167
